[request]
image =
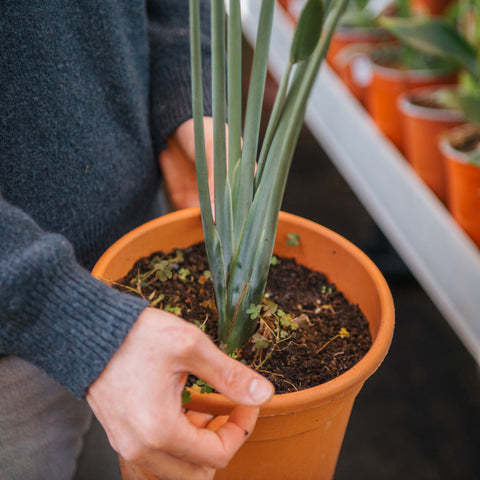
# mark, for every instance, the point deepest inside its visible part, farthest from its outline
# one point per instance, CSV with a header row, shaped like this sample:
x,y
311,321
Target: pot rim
x,y
410,74
360,33
418,111
450,152
294,401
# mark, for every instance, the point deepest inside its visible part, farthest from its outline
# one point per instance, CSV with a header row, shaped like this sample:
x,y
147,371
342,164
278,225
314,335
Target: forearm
x,y
53,313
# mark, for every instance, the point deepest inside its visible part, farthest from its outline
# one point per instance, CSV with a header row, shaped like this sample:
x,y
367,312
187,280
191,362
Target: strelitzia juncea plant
x,y
248,189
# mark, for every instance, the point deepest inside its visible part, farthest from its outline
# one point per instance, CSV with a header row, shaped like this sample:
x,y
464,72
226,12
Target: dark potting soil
x,y
428,102
467,143
308,332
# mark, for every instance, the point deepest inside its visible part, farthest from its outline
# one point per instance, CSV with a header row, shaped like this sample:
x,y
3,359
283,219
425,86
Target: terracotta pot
x,y
422,128
387,85
304,430
431,7
463,181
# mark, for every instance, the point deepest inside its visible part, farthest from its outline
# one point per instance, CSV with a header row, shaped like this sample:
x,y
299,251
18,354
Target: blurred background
x,y
418,416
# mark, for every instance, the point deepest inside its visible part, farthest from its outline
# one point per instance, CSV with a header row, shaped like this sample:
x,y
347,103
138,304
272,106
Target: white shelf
x,y
443,259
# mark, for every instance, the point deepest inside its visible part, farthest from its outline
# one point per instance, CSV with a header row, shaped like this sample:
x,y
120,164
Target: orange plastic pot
x,y
298,435
348,55
431,7
463,181
422,128
346,36
387,85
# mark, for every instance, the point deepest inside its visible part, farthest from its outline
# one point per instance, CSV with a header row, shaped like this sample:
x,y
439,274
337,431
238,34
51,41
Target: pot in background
x,y
430,7
354,67
388,84
345,36
304,430
463,177
422,127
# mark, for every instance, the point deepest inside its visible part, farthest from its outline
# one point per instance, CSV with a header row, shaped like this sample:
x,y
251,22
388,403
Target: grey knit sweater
x,y
89,91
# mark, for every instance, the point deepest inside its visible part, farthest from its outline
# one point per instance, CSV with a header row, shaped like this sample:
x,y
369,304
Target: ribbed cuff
x,y
79,324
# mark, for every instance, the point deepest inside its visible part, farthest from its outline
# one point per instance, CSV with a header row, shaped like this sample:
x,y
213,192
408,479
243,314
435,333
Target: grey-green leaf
x,y
470,105
434,36
308,31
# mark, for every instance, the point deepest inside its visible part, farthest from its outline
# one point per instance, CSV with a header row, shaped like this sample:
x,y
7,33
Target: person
x,y
90,93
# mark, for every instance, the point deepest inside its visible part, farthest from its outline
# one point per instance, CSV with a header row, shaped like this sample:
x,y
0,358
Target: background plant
x,y
457,41
249,186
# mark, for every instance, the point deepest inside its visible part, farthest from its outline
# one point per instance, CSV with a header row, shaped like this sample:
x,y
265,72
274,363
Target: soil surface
x,y
442,98
428,102
308,332
468,143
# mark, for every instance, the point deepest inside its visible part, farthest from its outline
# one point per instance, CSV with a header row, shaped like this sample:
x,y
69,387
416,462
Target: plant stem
x,y
234,90
273,122
244,188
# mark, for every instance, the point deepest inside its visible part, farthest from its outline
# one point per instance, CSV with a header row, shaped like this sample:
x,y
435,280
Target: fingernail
x,y
260,391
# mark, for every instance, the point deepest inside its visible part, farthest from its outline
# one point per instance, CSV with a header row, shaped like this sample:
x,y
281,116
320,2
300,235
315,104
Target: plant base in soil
x,y
308,332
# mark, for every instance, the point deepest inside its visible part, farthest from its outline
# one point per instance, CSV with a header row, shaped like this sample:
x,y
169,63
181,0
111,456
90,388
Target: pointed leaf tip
x,y
308,31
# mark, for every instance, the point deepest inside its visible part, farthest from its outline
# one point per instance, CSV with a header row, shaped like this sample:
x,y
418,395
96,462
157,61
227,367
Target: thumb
x,y
236,381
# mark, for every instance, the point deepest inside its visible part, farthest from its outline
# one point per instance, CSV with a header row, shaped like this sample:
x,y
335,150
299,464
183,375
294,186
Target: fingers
x,y
198,419
179,175
184,137
215,445
137,399
230,377
170,467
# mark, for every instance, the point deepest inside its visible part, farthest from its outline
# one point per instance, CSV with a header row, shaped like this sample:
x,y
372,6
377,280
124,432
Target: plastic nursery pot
x,y
304,430
431,7
422,127
388,84
348,55
345,36
463,178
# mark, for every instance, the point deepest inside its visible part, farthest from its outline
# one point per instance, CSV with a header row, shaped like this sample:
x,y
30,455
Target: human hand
x,y
137,399
177,162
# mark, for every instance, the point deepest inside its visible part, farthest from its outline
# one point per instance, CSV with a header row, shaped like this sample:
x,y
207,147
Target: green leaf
x,y
293,239
273,123
434,36
186,396
234,90
260,342
308,31
219,119
470,105
254,311
203,386
245,187
250,264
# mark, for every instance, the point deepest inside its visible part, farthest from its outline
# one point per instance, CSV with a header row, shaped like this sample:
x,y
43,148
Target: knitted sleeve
x,y
53,313
170,80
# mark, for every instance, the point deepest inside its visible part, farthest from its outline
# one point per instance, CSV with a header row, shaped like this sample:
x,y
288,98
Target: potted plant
x,y
305,429
443,38
426,114
461,150
431,7
351,43
357,25
397,68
